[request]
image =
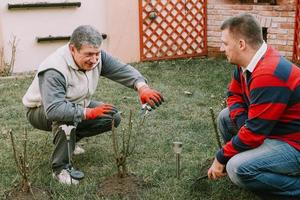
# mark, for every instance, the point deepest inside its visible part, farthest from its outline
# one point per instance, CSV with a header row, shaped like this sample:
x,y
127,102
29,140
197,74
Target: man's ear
x,y
72,48
242,44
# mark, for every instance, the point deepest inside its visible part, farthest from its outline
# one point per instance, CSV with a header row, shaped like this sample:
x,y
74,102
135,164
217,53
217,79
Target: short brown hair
x,y
246,27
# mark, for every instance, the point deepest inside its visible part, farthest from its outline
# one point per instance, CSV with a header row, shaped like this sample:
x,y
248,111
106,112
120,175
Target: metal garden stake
x,y
75,174
177,148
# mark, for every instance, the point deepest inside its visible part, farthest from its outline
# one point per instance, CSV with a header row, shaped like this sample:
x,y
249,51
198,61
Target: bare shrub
x,y
128,144
6,68
22,163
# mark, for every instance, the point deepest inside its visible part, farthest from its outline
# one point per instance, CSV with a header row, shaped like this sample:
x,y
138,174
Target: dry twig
x,y
21,163
215,127
6,68
128,145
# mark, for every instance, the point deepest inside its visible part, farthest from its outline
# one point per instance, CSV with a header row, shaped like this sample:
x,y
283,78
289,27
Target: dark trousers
x,y
86,128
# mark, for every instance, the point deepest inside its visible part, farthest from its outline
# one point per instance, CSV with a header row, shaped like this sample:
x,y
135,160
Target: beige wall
x,y
123,29
1,31
119,19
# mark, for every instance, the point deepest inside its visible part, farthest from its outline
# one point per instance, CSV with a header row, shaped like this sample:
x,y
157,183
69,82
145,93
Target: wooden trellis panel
x,y
172,29
296,52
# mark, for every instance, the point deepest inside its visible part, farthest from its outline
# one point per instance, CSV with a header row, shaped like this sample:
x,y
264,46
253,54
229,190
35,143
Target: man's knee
x,y
223,116
239,171
117,119
105,124
232,166
226,126
38,119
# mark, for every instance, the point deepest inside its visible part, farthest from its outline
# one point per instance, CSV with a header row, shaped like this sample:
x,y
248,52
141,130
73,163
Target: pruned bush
x,y
6,68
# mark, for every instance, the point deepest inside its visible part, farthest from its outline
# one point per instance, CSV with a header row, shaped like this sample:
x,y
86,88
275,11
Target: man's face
x,y
86,57
230,46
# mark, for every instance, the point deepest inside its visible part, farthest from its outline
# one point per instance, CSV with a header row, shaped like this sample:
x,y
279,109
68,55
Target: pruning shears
x,y
145,109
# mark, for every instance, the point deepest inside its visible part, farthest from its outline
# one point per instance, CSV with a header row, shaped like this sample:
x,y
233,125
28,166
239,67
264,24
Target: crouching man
x,y
261,125
61,93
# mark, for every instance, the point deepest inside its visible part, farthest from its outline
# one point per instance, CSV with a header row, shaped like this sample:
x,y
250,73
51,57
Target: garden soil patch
x,y
204,185
17,194
127,187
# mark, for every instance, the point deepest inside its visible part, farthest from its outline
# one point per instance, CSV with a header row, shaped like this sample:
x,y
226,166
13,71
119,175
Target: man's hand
x,y
216,170
150,96
104,110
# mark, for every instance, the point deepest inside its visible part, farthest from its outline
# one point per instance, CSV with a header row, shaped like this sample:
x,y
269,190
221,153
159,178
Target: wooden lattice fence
x,y
172,29
296,51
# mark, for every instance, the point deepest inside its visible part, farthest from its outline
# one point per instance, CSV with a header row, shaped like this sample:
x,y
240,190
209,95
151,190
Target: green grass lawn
x,y
182,117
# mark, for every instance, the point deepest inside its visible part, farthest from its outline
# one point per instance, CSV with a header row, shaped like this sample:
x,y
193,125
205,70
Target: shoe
x,y
64,178
78,150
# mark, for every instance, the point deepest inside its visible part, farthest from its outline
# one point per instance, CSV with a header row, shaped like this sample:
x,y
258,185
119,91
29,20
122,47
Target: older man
x,y
62,89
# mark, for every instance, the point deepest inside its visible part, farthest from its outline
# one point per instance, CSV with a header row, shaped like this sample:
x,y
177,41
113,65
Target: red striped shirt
x,y
266,106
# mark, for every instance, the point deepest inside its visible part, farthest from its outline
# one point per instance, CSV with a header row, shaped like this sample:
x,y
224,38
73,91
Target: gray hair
x,y
246,27
86,34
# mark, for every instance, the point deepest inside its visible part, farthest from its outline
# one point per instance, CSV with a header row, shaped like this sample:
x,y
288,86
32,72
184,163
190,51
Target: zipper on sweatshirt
x,y
88,90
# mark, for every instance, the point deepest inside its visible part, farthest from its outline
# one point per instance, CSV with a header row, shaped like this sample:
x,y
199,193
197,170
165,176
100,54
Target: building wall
x,y
123,29
117,19
280,28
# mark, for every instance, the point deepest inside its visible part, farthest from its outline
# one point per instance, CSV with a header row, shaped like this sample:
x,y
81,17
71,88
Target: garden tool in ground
x,y
197,180
75,174
200,182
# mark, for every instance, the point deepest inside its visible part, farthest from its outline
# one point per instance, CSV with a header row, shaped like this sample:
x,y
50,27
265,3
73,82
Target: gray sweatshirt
x,y
53,86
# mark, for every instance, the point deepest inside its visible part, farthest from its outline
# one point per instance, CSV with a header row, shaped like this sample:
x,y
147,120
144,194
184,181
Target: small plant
x,y
24,189
22,163
123,184
128,145
6,68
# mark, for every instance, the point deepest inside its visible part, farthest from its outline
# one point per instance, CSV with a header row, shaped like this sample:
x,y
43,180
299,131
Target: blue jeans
x,y
272,168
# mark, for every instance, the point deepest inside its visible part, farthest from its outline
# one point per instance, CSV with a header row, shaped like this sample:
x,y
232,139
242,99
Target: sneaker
x,y
78,150
65,178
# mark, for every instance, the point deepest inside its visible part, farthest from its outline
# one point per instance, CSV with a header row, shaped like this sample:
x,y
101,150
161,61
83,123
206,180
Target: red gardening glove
x,y
150,96
104,110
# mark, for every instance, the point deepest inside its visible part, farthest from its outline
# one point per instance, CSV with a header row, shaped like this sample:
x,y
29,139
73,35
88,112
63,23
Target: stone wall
x,y
278,19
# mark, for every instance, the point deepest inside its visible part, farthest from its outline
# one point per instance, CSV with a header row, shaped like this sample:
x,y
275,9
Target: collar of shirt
x,y
259,54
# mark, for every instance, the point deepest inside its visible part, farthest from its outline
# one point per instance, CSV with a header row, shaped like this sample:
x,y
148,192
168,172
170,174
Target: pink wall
x,y
1,36
123,29
119,19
